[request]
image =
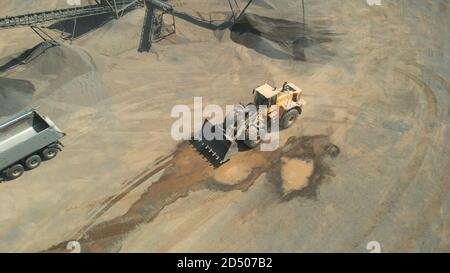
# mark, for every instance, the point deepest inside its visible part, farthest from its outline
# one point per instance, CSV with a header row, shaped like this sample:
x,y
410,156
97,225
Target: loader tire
x,y
289,118
33,162
49,153
251,144
14,172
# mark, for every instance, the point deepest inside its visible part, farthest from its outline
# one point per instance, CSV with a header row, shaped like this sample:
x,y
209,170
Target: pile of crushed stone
x,y
53,79
15,95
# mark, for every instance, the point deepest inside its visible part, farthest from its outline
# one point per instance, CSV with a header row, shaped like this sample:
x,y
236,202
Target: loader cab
x,y
265,95
260,100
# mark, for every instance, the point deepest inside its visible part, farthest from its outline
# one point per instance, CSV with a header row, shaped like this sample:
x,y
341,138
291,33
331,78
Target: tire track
x,y
427,130
439,195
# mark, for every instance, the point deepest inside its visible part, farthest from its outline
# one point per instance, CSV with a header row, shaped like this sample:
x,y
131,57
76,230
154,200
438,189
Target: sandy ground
x,y
377,82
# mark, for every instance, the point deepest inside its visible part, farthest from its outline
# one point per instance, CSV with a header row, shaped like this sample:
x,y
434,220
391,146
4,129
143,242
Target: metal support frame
x,y
113,6
44,35
118,7
303,10
147,29
74,30
159,33
243,10
153,27
119,10
233,13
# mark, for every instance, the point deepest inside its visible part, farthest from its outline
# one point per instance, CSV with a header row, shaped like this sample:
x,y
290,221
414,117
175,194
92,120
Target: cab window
x,y
273,100
261,100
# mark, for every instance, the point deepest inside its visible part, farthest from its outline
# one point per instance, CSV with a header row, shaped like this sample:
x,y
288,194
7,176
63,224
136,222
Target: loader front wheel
x,y
15,172
289,119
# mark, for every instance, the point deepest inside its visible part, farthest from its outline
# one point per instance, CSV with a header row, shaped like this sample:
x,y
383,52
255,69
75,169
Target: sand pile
x,y
263,3
295,174
55,67
57,78
107,42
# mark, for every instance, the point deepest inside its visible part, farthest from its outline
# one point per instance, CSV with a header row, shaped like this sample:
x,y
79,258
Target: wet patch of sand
x,y
295,174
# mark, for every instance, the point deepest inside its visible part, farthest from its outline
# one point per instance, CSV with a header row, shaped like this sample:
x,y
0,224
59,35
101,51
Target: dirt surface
x,y
367,160
295,174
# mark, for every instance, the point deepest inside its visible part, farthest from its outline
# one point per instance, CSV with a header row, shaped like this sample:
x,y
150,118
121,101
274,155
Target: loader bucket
x,y
216,151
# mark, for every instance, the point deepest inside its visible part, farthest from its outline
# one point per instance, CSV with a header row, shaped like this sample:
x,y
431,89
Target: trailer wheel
x,y
15,172
49,153
33,162
289,118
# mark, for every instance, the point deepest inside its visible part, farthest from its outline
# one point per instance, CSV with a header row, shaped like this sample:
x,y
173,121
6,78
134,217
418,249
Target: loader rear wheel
x,y
49,153
33,162
251,143
289,118
15,172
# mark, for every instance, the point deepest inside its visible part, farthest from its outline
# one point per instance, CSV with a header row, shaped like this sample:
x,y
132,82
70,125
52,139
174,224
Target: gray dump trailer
x,y
25,141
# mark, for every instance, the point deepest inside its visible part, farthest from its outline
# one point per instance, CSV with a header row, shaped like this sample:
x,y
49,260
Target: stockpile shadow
x,y
281,39
82,25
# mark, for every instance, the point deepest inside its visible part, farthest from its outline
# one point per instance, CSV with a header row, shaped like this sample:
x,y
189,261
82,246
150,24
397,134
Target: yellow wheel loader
x,y
247,124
